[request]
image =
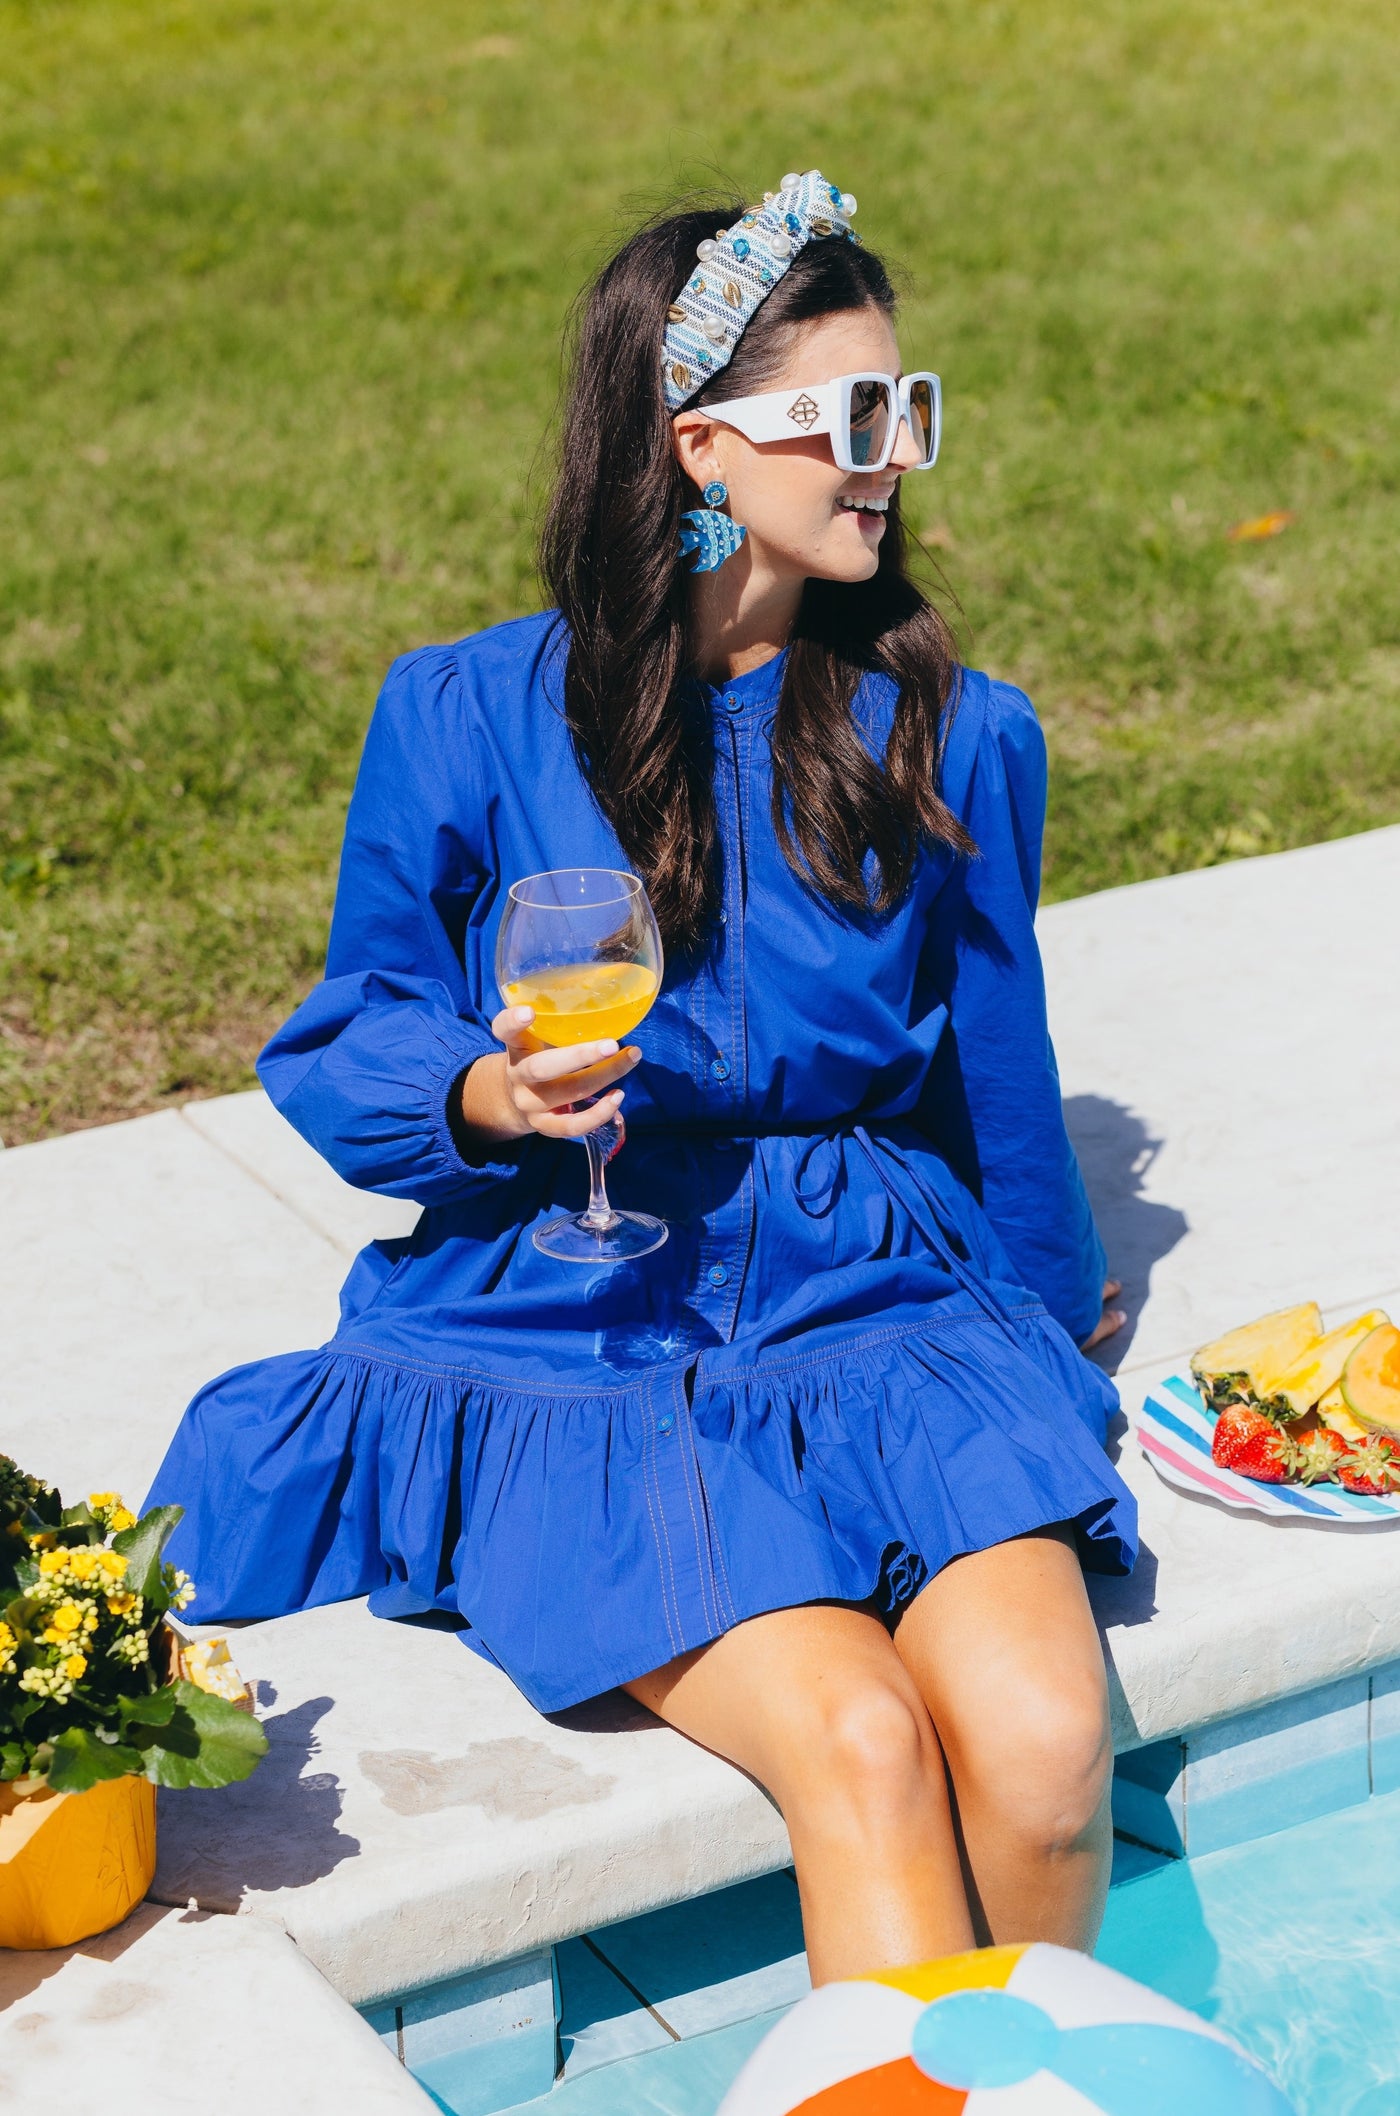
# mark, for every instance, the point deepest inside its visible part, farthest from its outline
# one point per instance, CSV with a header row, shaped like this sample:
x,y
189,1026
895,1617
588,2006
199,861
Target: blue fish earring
x,y
712,536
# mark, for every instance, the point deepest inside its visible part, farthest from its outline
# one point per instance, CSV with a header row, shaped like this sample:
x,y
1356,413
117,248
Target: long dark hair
x,y
610,560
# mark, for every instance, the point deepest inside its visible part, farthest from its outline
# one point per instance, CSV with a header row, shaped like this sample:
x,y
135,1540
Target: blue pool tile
x,y
1149,1795
600,2020
1286,1763
484,2042
689,2078
1385,1729
721,1958
385,2022
1132,1861
1301,1794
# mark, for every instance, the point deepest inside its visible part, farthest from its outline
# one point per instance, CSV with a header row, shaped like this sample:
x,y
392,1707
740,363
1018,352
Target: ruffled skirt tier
x,y
587,1535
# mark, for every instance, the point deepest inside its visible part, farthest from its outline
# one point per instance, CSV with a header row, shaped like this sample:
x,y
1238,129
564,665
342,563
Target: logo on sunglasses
x,y
804,412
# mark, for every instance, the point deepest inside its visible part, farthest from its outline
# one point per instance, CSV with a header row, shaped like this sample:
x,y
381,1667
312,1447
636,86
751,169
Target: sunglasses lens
x,y
923,420
871,412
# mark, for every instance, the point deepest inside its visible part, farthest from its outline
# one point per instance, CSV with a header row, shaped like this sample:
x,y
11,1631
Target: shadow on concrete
x,y
22,1971
612,1713
278,1829
1116,1150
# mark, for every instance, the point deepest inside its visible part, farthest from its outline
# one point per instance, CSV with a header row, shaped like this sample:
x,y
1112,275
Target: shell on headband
x,y
737,269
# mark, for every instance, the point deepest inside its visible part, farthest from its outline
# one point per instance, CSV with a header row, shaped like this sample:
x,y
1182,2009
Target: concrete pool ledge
x,y
1229,1062
182,2011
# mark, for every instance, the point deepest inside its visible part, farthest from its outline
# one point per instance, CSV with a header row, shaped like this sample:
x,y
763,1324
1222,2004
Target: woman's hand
x,y
530,1086
1112,1319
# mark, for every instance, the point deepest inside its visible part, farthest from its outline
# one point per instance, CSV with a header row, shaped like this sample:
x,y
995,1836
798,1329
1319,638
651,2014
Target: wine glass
x,y
580,946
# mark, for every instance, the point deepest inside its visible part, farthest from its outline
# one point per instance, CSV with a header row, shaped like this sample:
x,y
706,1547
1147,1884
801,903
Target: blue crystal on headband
x,y
712,537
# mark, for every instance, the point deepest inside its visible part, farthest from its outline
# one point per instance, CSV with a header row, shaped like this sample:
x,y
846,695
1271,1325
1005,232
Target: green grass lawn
x,y
281,289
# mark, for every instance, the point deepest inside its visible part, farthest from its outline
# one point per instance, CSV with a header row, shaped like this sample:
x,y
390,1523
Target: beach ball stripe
x,y
981,1969
900,2089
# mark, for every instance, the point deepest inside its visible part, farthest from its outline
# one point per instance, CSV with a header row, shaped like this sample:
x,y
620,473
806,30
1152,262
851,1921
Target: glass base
x,y
575,1240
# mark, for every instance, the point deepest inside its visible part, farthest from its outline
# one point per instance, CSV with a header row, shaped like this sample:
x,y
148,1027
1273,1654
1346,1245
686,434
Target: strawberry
x,y
1248,1442
1317,1455
1369,1465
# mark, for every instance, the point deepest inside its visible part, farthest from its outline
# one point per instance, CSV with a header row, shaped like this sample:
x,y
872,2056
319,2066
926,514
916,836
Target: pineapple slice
x,y
1332,1410
1371,1381
1320,1367
1246,1365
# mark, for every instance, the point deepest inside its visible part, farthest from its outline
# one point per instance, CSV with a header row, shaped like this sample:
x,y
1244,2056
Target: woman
x,y
817,1480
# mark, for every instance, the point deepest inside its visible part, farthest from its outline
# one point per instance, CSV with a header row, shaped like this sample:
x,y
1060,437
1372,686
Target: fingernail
x,y
633,1056
524,1014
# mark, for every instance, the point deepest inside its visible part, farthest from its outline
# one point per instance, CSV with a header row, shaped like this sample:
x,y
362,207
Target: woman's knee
x,y
869,1755
1043,1760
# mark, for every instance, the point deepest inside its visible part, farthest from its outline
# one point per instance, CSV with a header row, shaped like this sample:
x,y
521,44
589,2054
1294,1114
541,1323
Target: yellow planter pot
x,y
72,1864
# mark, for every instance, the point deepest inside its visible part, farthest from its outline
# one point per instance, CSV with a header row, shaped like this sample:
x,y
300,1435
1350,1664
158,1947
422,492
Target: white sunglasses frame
x,y
780,414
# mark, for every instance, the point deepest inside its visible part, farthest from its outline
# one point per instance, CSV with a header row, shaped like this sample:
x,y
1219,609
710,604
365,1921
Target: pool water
x,y
1291,1944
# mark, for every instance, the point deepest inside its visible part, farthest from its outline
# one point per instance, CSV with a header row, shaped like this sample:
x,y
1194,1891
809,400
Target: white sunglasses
x,y
861,413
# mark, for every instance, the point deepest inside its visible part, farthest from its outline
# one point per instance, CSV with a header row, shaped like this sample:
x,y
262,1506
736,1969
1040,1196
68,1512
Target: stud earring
x,y
712,536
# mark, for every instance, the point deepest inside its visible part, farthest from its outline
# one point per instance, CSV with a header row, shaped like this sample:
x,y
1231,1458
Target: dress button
x,y
717,1275
720,1068
666,1425
733,705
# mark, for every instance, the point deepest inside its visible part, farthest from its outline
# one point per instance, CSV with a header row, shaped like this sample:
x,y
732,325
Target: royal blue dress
x,y
855,1357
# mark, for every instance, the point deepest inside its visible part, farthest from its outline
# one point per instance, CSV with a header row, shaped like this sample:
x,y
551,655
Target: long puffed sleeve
x,y
992,1100
365,1067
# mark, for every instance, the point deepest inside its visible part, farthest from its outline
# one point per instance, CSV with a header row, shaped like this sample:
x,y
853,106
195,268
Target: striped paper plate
x,y
1174,1430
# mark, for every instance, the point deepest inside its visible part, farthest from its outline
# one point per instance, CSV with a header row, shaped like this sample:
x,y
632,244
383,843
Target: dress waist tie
x,y
817,1178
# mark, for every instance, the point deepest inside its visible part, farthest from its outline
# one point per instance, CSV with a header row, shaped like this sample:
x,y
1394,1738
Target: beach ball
x,y
1006,2031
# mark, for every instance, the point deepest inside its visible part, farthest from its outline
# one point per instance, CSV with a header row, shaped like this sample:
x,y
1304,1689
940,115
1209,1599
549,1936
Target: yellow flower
x,y
123,1604
83,1563
7,1648
122,1518
112,1563
54,1560
75,1667
100,1500
66,1619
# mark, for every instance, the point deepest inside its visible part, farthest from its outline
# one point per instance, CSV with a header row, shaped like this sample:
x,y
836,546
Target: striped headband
x,y
738,270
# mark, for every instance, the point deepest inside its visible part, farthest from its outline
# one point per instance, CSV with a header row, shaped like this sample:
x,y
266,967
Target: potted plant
x,y
97,1708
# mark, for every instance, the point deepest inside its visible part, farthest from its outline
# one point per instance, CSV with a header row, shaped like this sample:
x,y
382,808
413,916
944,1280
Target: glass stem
x,y
600,1213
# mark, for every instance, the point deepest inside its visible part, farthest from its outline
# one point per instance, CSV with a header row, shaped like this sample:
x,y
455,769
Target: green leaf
x,y
206,1742
141,1546
81,1761
152,1710
14,1761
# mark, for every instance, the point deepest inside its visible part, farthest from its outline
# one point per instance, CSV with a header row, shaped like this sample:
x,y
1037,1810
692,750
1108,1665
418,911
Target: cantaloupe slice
x,y
1248,1364
1332,1410
1371,1381
1320,1367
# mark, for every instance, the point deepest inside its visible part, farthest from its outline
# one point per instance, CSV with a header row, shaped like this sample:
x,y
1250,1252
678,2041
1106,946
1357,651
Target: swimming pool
x,y
1290,1943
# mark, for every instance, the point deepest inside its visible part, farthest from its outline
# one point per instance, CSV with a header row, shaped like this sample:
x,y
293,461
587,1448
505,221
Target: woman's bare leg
x,y
816,1705
1003,1647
